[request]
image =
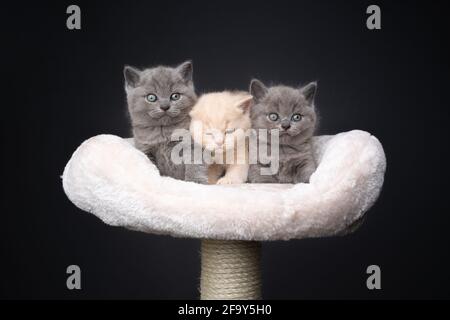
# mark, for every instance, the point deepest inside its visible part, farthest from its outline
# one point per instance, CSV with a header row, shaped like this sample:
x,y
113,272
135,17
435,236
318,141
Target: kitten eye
x,y
208,133
273,117
296,117
175,96
228,131
151,97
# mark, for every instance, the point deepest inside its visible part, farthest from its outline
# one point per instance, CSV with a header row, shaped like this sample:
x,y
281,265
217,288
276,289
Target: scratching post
x,y
230,270
110,178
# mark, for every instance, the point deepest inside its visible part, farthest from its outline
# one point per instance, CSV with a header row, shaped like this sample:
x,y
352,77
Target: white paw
x,y
229,180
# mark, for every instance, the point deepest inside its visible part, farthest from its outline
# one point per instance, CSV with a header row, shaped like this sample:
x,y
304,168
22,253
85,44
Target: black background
x,y
62,87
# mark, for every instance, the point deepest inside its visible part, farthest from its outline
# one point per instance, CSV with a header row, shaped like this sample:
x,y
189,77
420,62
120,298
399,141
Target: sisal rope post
x,y
230,270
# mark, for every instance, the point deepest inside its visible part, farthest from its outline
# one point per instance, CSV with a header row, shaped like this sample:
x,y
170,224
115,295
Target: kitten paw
x,y
229,180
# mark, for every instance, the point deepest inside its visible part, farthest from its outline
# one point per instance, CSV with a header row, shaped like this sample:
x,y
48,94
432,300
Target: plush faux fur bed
x,y
108,177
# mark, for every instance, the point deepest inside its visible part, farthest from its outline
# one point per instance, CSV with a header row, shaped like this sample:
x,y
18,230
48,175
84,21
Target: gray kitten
x,y
292,112
159,101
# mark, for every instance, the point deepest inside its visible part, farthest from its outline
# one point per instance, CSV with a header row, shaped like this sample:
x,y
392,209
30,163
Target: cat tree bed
x,y
108,177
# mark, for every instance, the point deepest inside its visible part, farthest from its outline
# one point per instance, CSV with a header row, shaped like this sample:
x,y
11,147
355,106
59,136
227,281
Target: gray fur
x,y
152,126
296,158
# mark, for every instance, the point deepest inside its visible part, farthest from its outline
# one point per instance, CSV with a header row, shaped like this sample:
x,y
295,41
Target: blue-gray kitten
x,y
292,112
159,101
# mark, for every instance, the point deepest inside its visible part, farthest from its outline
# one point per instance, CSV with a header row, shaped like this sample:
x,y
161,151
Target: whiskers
x,y
173,112
157,113
293,132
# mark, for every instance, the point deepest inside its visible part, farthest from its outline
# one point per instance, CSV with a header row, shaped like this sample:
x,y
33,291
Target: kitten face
x,y
159,96
288,110
220,119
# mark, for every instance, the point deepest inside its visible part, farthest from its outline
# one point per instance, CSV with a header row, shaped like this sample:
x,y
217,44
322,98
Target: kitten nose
x,y
164,107
285,124
218,140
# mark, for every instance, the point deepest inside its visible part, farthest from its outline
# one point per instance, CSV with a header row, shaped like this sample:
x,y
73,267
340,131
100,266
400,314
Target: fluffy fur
x,y
159,101
219,122
292,113
127,190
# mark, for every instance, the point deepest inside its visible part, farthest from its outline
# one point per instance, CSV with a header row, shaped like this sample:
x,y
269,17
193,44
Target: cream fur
x,y
211,117
108,177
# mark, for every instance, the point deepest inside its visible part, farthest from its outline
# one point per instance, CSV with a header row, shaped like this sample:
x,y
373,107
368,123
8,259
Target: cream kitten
x,y
219,121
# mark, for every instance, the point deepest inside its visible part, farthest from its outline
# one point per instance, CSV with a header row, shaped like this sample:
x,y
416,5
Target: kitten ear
x,y
245,104
132,76
309,92
186,69
257,89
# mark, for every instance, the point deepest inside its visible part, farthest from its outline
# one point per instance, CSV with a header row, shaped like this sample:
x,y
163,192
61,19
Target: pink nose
x,y
218,140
